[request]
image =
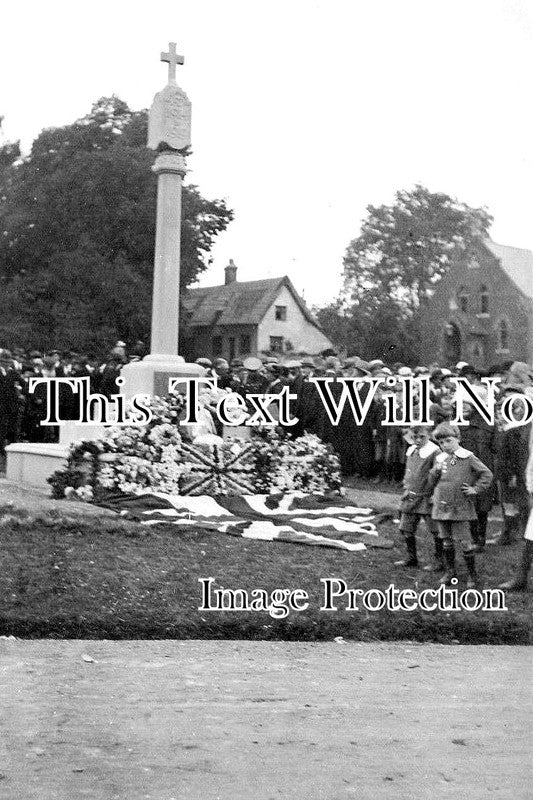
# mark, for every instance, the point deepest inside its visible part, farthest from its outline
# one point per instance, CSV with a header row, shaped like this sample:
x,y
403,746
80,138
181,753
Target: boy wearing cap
x,y
459,477
416,499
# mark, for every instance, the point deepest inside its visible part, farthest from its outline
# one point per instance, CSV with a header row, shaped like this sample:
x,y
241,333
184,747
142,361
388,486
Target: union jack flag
x,y
218,470
297,518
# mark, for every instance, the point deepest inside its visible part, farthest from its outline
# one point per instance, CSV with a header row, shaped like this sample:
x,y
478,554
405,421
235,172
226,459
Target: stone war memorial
x,y
170,137
167,454
169,134
299,567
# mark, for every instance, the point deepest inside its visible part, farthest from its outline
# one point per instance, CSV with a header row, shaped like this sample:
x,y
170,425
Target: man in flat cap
x,y
254,379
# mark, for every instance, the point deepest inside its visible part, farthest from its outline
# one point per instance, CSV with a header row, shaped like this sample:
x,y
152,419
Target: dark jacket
x,y
417,484
480,438
512,452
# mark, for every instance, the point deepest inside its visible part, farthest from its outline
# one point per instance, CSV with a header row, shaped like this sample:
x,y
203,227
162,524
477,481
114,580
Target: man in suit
x,y
9,404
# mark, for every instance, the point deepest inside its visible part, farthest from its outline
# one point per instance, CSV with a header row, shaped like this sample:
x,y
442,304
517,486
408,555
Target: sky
x,y
303,112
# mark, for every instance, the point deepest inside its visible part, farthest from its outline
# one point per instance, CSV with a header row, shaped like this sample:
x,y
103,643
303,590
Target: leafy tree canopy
x,y
391,267
77,218
403,249
371,329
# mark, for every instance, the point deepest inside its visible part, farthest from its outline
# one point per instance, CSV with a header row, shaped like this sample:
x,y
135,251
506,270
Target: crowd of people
x,y
451,477
497,454
22,411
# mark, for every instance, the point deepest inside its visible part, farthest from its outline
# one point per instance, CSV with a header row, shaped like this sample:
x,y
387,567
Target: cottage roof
x,y
517,263
237,303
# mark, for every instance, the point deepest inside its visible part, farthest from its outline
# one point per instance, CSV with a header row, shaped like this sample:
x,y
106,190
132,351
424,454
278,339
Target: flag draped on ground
x,y
297,518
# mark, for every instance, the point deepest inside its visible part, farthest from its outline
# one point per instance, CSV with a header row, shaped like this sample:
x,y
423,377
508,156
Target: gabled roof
x,y
237,303
517,263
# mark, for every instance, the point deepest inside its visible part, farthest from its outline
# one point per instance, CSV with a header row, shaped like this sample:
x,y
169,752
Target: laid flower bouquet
x,y
155,457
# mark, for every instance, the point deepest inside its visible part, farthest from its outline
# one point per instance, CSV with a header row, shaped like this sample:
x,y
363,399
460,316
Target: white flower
x,y
208,439
85,493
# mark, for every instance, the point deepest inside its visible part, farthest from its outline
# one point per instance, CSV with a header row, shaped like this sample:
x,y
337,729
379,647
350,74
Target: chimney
x,y
230,272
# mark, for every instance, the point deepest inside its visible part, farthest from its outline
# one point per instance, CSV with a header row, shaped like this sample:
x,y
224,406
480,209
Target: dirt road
x,y
263,720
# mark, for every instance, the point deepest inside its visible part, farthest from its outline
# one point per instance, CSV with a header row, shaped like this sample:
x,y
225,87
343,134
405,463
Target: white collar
x,y
509,426
461,452
428,449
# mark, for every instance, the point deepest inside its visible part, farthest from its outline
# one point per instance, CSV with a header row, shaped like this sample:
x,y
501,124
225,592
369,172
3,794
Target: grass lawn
x,y
63,577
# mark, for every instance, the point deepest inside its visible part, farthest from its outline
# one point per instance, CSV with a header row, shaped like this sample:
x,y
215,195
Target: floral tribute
x,y
158,457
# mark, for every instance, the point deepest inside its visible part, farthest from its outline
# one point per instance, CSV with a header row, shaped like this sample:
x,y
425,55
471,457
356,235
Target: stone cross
x,y
169,134
172,59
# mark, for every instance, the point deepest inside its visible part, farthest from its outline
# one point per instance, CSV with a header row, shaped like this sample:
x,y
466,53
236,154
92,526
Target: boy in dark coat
x,y
480,438
511,462
519,582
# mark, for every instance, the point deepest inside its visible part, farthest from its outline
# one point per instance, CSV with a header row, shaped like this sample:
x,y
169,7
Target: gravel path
x,y
263,720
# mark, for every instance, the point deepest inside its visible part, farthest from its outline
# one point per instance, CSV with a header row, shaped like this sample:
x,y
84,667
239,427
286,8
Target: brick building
x,y
239,319
482,310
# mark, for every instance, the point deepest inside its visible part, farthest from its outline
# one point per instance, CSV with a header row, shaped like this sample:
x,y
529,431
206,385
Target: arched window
x,y
503,335
452,343
484,299
477,354
462,299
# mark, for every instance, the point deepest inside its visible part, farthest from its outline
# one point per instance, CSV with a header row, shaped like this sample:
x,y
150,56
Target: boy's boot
x,y
474,534
482,531
510,525
519,582
523,517
470,561
449,560
438,563
411,560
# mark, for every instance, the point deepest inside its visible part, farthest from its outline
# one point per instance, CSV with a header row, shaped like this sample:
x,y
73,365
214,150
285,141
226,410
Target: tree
x,y
371,329
9,153
403,249
391,267
77,218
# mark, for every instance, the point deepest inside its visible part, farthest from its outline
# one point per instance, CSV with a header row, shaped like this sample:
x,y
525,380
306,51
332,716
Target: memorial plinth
x,y
32,463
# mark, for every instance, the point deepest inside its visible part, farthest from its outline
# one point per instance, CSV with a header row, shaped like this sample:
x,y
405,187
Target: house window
x,y
216,345
281,313
484,299
276,344
245,344
462,299
503,335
